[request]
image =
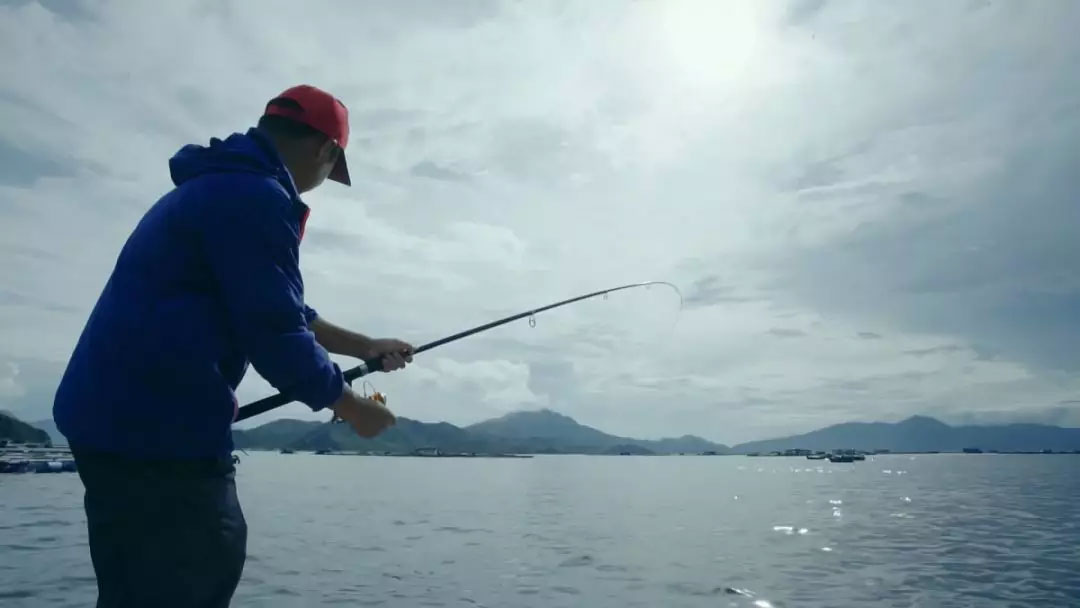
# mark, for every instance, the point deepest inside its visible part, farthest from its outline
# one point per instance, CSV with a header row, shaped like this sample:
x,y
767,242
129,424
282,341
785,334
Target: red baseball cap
x,y
324,113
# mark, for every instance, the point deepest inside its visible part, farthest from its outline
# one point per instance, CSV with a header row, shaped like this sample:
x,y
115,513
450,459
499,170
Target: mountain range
x,y
15,430
50,428
545,431
528,432
924,434
548,432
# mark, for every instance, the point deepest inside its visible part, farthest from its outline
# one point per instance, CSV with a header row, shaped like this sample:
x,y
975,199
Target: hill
x,y
50,427
14,430
542,424
546,430
630,449
923,434
274,435
532,432
405,436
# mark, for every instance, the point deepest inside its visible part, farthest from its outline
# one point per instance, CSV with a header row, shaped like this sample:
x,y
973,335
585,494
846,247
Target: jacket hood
x,y
249,152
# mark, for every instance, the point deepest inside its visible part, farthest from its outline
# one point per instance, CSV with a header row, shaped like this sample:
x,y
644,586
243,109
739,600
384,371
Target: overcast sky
x,y
871,210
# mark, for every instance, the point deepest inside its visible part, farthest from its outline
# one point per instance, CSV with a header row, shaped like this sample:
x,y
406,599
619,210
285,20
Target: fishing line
x,y
372,365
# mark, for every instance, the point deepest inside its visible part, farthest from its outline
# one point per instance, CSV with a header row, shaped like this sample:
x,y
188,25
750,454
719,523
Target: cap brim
x,y
340,172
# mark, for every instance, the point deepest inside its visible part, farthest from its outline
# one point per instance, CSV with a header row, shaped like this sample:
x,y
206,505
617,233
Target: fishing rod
x,y
368,366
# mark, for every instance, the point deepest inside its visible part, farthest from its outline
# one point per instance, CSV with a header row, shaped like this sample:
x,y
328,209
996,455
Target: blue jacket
x,y
207,282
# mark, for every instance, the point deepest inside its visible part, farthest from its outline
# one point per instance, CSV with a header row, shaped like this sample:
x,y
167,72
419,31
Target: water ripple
x,y
610,533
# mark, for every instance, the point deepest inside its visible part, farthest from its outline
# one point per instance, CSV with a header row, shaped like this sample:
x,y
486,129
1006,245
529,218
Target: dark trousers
x,y
162,533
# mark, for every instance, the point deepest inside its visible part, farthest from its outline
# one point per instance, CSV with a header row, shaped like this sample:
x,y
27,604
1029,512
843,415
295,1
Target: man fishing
x,y
208,282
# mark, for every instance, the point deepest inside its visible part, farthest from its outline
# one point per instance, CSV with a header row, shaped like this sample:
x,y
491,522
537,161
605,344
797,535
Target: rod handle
x,y
366,366
268,403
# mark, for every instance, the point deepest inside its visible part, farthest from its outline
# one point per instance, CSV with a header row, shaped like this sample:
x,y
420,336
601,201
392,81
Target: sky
x,y
869,210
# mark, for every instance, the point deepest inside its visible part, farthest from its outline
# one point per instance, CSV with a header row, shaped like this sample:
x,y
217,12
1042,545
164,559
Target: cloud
x,y
431,170
802,11
21,168
27,386
494,387
710,290
869,210
9,387
944,348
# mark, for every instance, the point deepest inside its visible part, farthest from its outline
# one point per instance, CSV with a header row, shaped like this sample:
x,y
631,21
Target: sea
x,y
940,530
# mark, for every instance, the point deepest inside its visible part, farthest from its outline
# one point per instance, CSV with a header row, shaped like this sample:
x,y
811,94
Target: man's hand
x,y
395,353
338,340
366,416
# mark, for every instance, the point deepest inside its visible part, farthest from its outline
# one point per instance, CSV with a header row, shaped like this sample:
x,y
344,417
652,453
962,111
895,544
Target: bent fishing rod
x,y
372,365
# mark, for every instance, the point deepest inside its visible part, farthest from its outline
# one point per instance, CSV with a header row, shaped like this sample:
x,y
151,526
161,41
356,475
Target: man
x,y
208,281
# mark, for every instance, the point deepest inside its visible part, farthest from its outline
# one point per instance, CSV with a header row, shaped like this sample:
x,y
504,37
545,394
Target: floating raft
x,y
33,459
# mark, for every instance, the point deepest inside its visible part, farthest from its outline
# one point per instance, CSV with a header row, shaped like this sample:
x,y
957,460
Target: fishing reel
x,y
374,396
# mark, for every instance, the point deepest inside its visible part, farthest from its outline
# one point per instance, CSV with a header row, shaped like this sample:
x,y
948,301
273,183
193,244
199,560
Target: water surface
x,y
609,532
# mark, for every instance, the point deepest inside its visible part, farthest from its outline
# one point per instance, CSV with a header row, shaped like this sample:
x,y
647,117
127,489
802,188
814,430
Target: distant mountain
x,y
405,436
274,435
50,427
687,444
533,432
629,449
923,434
14,430
546,429
544,426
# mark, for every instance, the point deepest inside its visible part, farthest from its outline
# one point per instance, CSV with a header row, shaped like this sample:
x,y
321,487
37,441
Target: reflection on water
x,y
952,530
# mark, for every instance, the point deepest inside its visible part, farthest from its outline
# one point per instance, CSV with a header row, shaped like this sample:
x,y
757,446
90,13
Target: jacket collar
x,y
281,172
283,176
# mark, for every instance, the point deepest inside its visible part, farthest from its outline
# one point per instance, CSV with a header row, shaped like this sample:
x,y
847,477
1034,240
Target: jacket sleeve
x,y
310,314
252,246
